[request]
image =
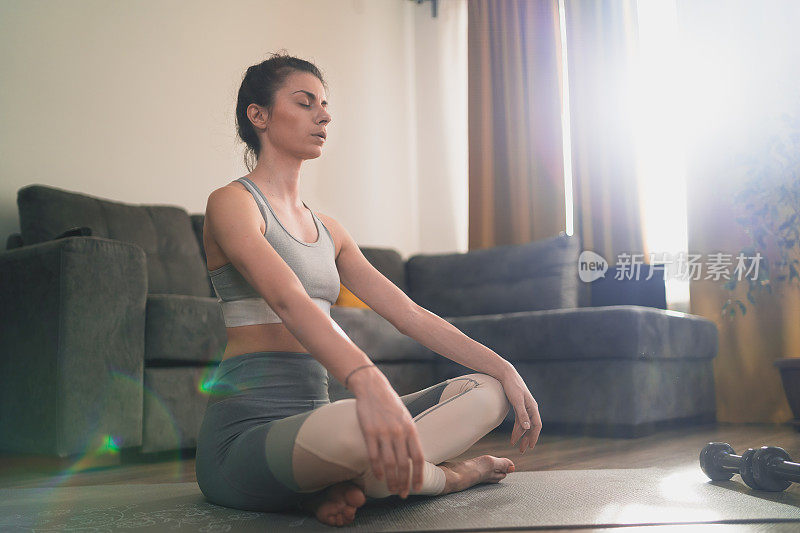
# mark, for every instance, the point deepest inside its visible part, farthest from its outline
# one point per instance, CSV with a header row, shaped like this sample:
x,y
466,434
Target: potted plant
x,y
769,209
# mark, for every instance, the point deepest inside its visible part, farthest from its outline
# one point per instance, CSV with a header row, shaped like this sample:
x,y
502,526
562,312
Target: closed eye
x,y
306,105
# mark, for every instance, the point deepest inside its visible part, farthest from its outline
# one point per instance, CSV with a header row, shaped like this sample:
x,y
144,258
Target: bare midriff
x,y
261,338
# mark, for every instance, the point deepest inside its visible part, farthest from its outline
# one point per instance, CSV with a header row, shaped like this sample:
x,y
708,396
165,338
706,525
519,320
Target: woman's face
x,y
298,116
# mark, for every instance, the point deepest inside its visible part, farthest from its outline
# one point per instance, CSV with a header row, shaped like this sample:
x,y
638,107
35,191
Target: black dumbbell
x,y
767,468
773,469
720,462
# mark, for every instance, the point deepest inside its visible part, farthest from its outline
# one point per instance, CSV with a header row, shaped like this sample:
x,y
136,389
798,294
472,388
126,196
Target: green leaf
x,y
742,307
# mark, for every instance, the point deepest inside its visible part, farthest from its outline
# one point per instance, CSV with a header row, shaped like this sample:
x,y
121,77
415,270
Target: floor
x,y
667,448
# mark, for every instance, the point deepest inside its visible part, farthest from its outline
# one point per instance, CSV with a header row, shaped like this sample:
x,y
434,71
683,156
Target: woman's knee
x,y
495,402
334,434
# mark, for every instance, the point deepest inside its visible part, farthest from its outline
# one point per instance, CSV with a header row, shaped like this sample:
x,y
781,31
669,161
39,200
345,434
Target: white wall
x,y
134,102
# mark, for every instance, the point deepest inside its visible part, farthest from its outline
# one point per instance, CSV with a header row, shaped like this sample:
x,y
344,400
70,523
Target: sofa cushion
x,y
348,299
174,261
613,332
521,277
183,330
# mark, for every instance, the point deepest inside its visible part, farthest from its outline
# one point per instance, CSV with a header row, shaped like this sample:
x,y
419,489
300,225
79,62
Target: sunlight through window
x,y
660,154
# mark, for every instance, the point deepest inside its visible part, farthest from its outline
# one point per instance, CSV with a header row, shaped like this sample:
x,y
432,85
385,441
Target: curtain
x,y
602,41
516,183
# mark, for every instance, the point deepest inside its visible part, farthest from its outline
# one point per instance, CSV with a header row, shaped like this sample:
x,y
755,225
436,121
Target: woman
x,y
271,439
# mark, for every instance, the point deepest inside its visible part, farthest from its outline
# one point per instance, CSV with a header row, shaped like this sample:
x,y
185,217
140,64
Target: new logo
x,y
591,266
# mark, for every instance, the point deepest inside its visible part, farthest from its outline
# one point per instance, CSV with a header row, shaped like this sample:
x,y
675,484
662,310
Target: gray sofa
x,y
109,328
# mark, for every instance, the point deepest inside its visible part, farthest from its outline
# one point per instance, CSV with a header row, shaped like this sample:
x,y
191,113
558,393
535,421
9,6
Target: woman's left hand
x,y
528,423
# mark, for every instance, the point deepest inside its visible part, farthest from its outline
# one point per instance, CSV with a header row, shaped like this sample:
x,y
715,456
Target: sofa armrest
x,y
72,320
616,371
588,333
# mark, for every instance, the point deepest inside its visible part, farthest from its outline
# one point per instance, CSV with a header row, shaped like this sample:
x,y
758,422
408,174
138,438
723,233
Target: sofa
x,y
110,328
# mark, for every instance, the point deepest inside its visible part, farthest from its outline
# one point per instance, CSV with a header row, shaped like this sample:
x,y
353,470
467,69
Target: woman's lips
x,y
318,137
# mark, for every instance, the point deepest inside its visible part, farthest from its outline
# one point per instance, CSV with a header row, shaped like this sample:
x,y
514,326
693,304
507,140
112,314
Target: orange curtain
x,y
602,47
516,183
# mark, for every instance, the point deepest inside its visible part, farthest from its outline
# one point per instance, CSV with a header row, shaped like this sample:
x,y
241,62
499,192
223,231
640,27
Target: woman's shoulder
x,y
336,230
233,202
234,189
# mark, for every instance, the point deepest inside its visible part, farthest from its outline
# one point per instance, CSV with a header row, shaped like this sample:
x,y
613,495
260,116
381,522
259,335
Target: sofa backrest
x,y
504,279
174,261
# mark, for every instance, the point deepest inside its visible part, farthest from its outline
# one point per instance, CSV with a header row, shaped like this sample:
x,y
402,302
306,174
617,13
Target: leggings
x,y
271,438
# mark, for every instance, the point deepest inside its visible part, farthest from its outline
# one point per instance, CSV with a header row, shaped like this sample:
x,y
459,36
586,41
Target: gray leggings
x,y
271,438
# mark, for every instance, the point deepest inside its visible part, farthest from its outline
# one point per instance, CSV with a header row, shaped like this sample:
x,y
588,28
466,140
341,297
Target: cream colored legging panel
x,y
450,417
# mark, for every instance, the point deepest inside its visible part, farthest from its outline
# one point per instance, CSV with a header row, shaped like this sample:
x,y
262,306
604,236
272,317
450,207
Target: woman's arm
x,y
430,330
386,299
444,338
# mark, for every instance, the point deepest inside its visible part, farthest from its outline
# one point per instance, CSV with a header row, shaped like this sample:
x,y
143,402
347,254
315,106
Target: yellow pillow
x,y
348,299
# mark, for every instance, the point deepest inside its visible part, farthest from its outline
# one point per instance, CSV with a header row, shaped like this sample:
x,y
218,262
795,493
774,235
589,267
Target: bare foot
x,y
337,505
482,469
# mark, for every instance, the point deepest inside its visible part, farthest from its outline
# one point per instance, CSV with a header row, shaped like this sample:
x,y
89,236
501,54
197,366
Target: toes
x,y
504,465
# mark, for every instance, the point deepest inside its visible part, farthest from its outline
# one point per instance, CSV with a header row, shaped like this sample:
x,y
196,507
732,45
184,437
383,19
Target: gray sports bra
x,y
313,262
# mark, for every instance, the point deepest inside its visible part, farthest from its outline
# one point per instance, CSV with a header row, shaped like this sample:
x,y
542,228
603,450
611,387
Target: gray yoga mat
x,y
554,498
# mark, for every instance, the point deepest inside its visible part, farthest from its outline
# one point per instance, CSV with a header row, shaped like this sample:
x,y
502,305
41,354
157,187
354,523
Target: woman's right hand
x,y
389,431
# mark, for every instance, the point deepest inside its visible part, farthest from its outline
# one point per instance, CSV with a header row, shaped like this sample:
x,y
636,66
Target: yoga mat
x,y
553,498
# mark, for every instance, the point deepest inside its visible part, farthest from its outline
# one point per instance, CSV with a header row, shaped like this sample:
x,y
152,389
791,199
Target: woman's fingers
x,y
521,419
522,413
536,428
417,457
532,436
403,465
389,462
526,437
373,449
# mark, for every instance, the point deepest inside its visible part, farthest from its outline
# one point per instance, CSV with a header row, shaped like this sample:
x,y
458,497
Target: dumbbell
x,y
720,462
767,468
773,469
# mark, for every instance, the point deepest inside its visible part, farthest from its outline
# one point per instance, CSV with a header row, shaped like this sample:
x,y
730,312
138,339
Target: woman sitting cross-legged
x,y
271,439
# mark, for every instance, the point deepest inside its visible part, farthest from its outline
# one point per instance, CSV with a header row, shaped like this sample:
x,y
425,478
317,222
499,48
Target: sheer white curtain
x,y
659,123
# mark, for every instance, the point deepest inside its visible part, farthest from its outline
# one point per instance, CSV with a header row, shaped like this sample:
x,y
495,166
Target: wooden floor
x,y
674,448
